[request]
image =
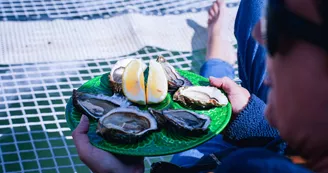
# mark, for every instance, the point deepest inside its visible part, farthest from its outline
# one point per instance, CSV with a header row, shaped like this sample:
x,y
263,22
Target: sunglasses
x,y
278,21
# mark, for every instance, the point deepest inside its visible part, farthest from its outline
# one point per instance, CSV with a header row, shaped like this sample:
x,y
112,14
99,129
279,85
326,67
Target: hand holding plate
x,y
238,96
99,160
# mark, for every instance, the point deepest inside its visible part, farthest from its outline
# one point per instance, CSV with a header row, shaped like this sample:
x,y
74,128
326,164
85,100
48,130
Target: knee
x,y
217,68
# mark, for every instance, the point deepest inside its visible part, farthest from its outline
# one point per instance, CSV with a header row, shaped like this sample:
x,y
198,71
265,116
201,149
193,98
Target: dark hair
x,y
323,11
322,7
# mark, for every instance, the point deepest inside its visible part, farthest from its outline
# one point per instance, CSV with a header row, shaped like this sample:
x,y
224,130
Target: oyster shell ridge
x,y
115,99
195,132
195,104
114,134
171,125
115,86
158,115
173,83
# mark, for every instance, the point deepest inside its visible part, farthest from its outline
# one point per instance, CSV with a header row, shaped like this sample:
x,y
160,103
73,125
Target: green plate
x,y
156,143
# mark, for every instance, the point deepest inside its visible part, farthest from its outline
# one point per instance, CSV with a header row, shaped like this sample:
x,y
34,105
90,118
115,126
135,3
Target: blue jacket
x,y
259,149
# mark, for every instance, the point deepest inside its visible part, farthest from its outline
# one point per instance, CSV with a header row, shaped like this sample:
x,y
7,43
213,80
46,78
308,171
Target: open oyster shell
x,y
96,106
126,125
183,122
115,76
175,80
200,97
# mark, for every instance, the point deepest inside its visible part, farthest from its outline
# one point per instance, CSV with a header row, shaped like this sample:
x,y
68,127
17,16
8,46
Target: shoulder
x,y
256,160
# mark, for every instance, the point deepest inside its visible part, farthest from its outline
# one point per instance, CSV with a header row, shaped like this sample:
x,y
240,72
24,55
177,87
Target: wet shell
x,y
183,122
175,80
126,125
96,106
115,76
200,97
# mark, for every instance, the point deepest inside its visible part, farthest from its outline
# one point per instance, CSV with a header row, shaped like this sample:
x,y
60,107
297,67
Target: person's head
x,y
296,38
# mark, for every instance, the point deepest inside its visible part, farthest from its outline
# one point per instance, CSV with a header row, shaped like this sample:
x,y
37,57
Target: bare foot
x,y
218,45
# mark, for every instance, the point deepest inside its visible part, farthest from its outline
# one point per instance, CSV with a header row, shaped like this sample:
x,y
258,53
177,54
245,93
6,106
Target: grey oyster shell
x,y
175,80
96,106
115,76
126,125
183,122
200,97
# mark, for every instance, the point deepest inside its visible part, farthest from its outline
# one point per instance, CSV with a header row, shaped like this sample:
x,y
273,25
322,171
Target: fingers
x,y
81,138
224,83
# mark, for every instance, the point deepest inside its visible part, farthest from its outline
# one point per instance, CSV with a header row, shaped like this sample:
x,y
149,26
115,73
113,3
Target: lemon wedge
x,y
157,85
133,84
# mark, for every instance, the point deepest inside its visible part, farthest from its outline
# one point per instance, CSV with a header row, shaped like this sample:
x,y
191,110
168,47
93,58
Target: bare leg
x,y
220,55
218,45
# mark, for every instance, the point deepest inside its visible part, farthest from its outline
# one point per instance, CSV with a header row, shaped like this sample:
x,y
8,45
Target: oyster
x,y
200,97
182,121
126,125
115,76
95,106
175,80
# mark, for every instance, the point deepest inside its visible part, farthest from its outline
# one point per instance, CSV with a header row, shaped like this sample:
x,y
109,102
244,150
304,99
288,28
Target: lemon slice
x,y
157,85
133,84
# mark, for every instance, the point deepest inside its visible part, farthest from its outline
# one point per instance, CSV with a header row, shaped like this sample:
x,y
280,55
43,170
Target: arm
x,y
251,122
251,129
248,127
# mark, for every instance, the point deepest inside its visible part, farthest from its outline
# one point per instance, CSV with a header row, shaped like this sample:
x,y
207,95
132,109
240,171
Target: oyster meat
x,y
175,80
115,76
200,97
96,106
181,121
126,125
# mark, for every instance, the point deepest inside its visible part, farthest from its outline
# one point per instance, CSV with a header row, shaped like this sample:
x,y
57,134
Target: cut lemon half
x,y
157,86
133,83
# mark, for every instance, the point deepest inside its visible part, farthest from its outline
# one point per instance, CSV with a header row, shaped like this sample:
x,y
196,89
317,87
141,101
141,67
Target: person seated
x,y
292,36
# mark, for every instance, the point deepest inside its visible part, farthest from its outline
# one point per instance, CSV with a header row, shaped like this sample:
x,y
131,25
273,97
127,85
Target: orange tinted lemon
x,y
157,85
133,82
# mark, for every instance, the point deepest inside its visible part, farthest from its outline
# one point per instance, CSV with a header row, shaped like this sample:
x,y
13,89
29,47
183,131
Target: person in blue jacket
x,y
292,34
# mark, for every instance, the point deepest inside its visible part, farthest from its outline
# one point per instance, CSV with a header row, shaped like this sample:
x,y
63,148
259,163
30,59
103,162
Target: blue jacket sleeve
x,y
251,123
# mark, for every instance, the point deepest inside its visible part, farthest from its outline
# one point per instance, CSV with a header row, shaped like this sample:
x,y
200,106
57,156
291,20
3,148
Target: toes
x,y
214,11
211,12
216,7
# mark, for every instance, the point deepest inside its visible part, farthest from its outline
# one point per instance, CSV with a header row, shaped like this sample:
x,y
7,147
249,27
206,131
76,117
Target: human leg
x,y
251,55
217,68
217,65
220,53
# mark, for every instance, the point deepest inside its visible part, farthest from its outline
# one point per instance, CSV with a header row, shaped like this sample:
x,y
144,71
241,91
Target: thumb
x,y
80,136
83,127
224,83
